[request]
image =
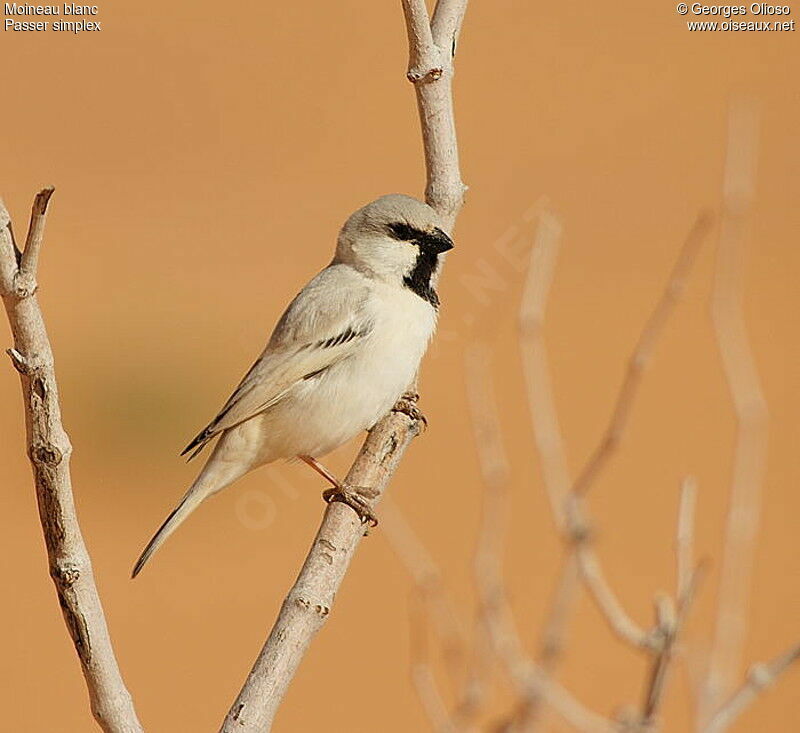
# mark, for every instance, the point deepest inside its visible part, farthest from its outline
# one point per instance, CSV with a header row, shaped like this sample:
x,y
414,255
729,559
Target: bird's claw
x,y
407,404
353,497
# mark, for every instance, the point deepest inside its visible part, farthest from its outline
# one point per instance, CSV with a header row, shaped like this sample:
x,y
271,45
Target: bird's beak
x,y
438,241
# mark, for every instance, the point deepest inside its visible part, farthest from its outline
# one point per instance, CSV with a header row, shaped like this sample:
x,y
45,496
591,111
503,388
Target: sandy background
x,y
204,157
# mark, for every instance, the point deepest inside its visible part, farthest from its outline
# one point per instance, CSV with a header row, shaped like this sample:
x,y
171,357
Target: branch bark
x,y
49,451
306,607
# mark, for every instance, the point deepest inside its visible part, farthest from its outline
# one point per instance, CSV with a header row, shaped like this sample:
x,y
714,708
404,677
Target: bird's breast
x,y
352,395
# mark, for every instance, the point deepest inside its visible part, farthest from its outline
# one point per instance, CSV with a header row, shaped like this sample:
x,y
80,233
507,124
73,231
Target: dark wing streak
x,y
208,433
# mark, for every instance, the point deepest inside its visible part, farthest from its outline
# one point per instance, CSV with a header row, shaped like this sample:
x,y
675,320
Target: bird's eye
x,y
403,231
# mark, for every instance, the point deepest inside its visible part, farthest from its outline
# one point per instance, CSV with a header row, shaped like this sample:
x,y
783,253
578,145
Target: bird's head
x,y
397,239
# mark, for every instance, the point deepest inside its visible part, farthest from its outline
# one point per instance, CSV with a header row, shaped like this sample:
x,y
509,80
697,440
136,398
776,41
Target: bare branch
x,y
566,502
541,400
306,607
424,59
684,536
642,355
309,601
568,512
49,450
430,589
445,189
749,462
759,678
422,677
33,243
528,678
446,24
670,622
590,567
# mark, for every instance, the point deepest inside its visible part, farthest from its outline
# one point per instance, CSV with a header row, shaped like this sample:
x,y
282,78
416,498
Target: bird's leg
x,y
320,469
354,496
407,404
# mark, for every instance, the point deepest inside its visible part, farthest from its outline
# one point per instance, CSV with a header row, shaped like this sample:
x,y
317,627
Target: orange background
x,y
204,157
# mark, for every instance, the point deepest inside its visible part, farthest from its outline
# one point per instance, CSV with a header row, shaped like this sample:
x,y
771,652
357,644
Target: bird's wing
x,y
324,324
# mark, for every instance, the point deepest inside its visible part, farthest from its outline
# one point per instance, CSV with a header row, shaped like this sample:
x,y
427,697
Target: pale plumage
x,y
340,356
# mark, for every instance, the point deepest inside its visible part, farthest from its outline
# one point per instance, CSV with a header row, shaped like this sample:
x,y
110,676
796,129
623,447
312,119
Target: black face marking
x,y
405,232
419,279
436,240
431,244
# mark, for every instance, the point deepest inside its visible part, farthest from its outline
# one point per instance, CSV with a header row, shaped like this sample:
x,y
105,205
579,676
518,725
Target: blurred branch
x,y
750,453
528,678
670,622
642,356
759,678
422,677
684,537
566,498
428,584
49,451
308,603
578,530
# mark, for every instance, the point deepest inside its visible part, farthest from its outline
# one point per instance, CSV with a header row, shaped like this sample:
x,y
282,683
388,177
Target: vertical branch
x,y
684,537
750,452
432,49
550,445
309,601
49,451
541,399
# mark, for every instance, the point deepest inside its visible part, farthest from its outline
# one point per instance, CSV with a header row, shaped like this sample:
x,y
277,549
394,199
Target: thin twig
x,y
749,462
424,59
671,615
580,530
422,677
445,189
550,445
29,266
308,603
543,412
670,623
759,678
501,629
566,498
684,537
642,356
429,587
49,451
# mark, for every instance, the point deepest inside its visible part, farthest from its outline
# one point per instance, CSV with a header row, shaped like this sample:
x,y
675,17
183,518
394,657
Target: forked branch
x,y
49,451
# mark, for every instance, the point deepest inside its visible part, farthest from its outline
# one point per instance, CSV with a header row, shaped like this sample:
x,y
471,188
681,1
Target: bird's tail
x,y
191,500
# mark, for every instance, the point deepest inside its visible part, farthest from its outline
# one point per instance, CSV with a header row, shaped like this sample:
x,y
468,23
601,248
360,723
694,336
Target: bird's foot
x,y
407,404
356,498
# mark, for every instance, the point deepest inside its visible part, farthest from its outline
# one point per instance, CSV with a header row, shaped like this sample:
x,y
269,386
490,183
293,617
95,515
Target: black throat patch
x,y
419,279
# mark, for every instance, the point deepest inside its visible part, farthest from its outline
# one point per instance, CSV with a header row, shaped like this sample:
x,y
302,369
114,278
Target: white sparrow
x,y
341,355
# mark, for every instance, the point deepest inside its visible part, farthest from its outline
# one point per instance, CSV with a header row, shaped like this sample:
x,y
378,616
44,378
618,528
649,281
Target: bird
x,y
340,357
